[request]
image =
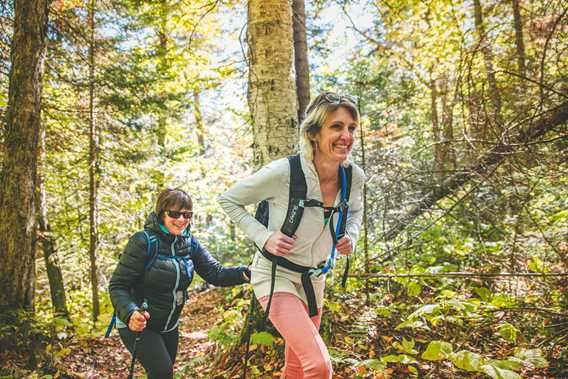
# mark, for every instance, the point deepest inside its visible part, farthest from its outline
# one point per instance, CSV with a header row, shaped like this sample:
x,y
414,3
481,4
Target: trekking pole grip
x,y
143,308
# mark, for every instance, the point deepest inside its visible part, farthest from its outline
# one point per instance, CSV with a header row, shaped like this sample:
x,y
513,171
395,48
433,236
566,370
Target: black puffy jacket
x,y
163,283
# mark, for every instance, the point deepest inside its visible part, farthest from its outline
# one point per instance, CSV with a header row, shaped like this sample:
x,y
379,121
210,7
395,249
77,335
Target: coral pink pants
x,y
306,356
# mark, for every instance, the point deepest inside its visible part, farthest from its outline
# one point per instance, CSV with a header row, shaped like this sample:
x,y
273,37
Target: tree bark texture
x,y
272,87
447,128
93,170
438,156
163,67
54,275
301,61
18,177
494,94
519,40
199,126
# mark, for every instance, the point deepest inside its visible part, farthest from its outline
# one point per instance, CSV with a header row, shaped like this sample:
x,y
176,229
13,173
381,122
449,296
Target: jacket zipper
x,y
174,292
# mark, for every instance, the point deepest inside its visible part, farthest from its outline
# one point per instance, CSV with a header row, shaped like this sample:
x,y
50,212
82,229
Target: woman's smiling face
x,y
176,226
336,137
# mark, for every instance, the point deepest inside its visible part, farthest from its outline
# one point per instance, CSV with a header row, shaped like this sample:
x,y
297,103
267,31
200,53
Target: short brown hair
x,y
172,199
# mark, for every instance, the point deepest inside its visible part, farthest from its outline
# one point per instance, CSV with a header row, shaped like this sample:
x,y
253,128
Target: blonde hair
x,y
316,113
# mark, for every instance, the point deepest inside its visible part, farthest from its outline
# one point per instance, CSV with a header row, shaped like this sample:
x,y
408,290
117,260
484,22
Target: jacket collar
x,y
154,224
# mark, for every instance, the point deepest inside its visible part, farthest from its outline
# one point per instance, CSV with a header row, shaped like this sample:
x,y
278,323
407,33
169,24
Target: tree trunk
x,y
18,177
365,217
519,40
272,99
272,87
447,128
494,94
162,127
199,127
93,170
54,275
438,143
301,62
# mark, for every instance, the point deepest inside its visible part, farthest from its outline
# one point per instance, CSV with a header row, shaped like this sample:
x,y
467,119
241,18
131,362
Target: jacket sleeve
x,y
128,273
212,271
355,216
260,186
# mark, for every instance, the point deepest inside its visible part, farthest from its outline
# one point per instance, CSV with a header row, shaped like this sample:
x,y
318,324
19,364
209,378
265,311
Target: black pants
x,y
156,351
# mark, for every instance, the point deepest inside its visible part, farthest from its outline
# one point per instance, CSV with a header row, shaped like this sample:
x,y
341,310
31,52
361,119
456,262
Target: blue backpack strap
x,y
151,250
151,254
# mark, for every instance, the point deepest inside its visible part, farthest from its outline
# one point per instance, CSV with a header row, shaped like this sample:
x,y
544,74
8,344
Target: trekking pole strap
x,y
110,325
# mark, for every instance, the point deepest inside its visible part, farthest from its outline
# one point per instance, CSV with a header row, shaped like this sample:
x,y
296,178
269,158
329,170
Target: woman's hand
x,y
137,321
246,274
279,244
345,245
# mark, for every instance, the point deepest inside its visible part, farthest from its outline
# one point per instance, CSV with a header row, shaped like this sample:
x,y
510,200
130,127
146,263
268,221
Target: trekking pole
x,y
144,308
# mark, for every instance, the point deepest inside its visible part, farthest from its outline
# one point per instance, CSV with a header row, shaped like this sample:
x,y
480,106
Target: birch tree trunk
x,y
272,100
301,61
18,178
272,87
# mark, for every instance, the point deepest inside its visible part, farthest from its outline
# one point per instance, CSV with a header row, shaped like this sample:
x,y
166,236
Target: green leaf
x,y
375,364
425,309
498,373
412,325
383,311
537,265
262,338
484,293
437,350
532,356
508,332
555,217
467,360
400,358
414,289
391,358
503,301
505,364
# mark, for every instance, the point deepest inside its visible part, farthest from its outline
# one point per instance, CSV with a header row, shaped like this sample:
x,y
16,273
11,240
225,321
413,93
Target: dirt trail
x,y
102,357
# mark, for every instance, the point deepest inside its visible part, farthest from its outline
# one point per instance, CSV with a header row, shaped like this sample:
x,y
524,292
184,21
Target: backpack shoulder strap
x,y
151,250
349,177
151,254
296,196
348,171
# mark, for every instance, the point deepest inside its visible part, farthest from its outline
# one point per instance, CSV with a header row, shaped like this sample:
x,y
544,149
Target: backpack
x,y
296,203
151,255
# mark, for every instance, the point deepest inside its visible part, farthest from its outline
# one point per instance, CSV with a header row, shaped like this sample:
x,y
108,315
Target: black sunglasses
x,y
176,214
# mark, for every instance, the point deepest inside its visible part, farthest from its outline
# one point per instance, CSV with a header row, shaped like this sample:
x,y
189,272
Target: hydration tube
x,y
330,263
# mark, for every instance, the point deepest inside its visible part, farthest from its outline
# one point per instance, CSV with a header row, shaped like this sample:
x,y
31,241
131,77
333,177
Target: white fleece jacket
x,y
313,243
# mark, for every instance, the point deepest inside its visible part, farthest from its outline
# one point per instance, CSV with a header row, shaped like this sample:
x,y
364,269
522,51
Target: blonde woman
x,y
300,260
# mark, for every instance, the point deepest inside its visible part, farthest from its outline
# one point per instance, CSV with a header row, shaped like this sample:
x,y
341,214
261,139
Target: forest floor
x,y
211,323
102,357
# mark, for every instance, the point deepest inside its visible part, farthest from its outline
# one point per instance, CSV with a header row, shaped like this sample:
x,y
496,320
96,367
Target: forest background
x,y
461,267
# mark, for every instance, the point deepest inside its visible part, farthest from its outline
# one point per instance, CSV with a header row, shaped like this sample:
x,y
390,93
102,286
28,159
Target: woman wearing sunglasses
x,y
327,137
154,272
